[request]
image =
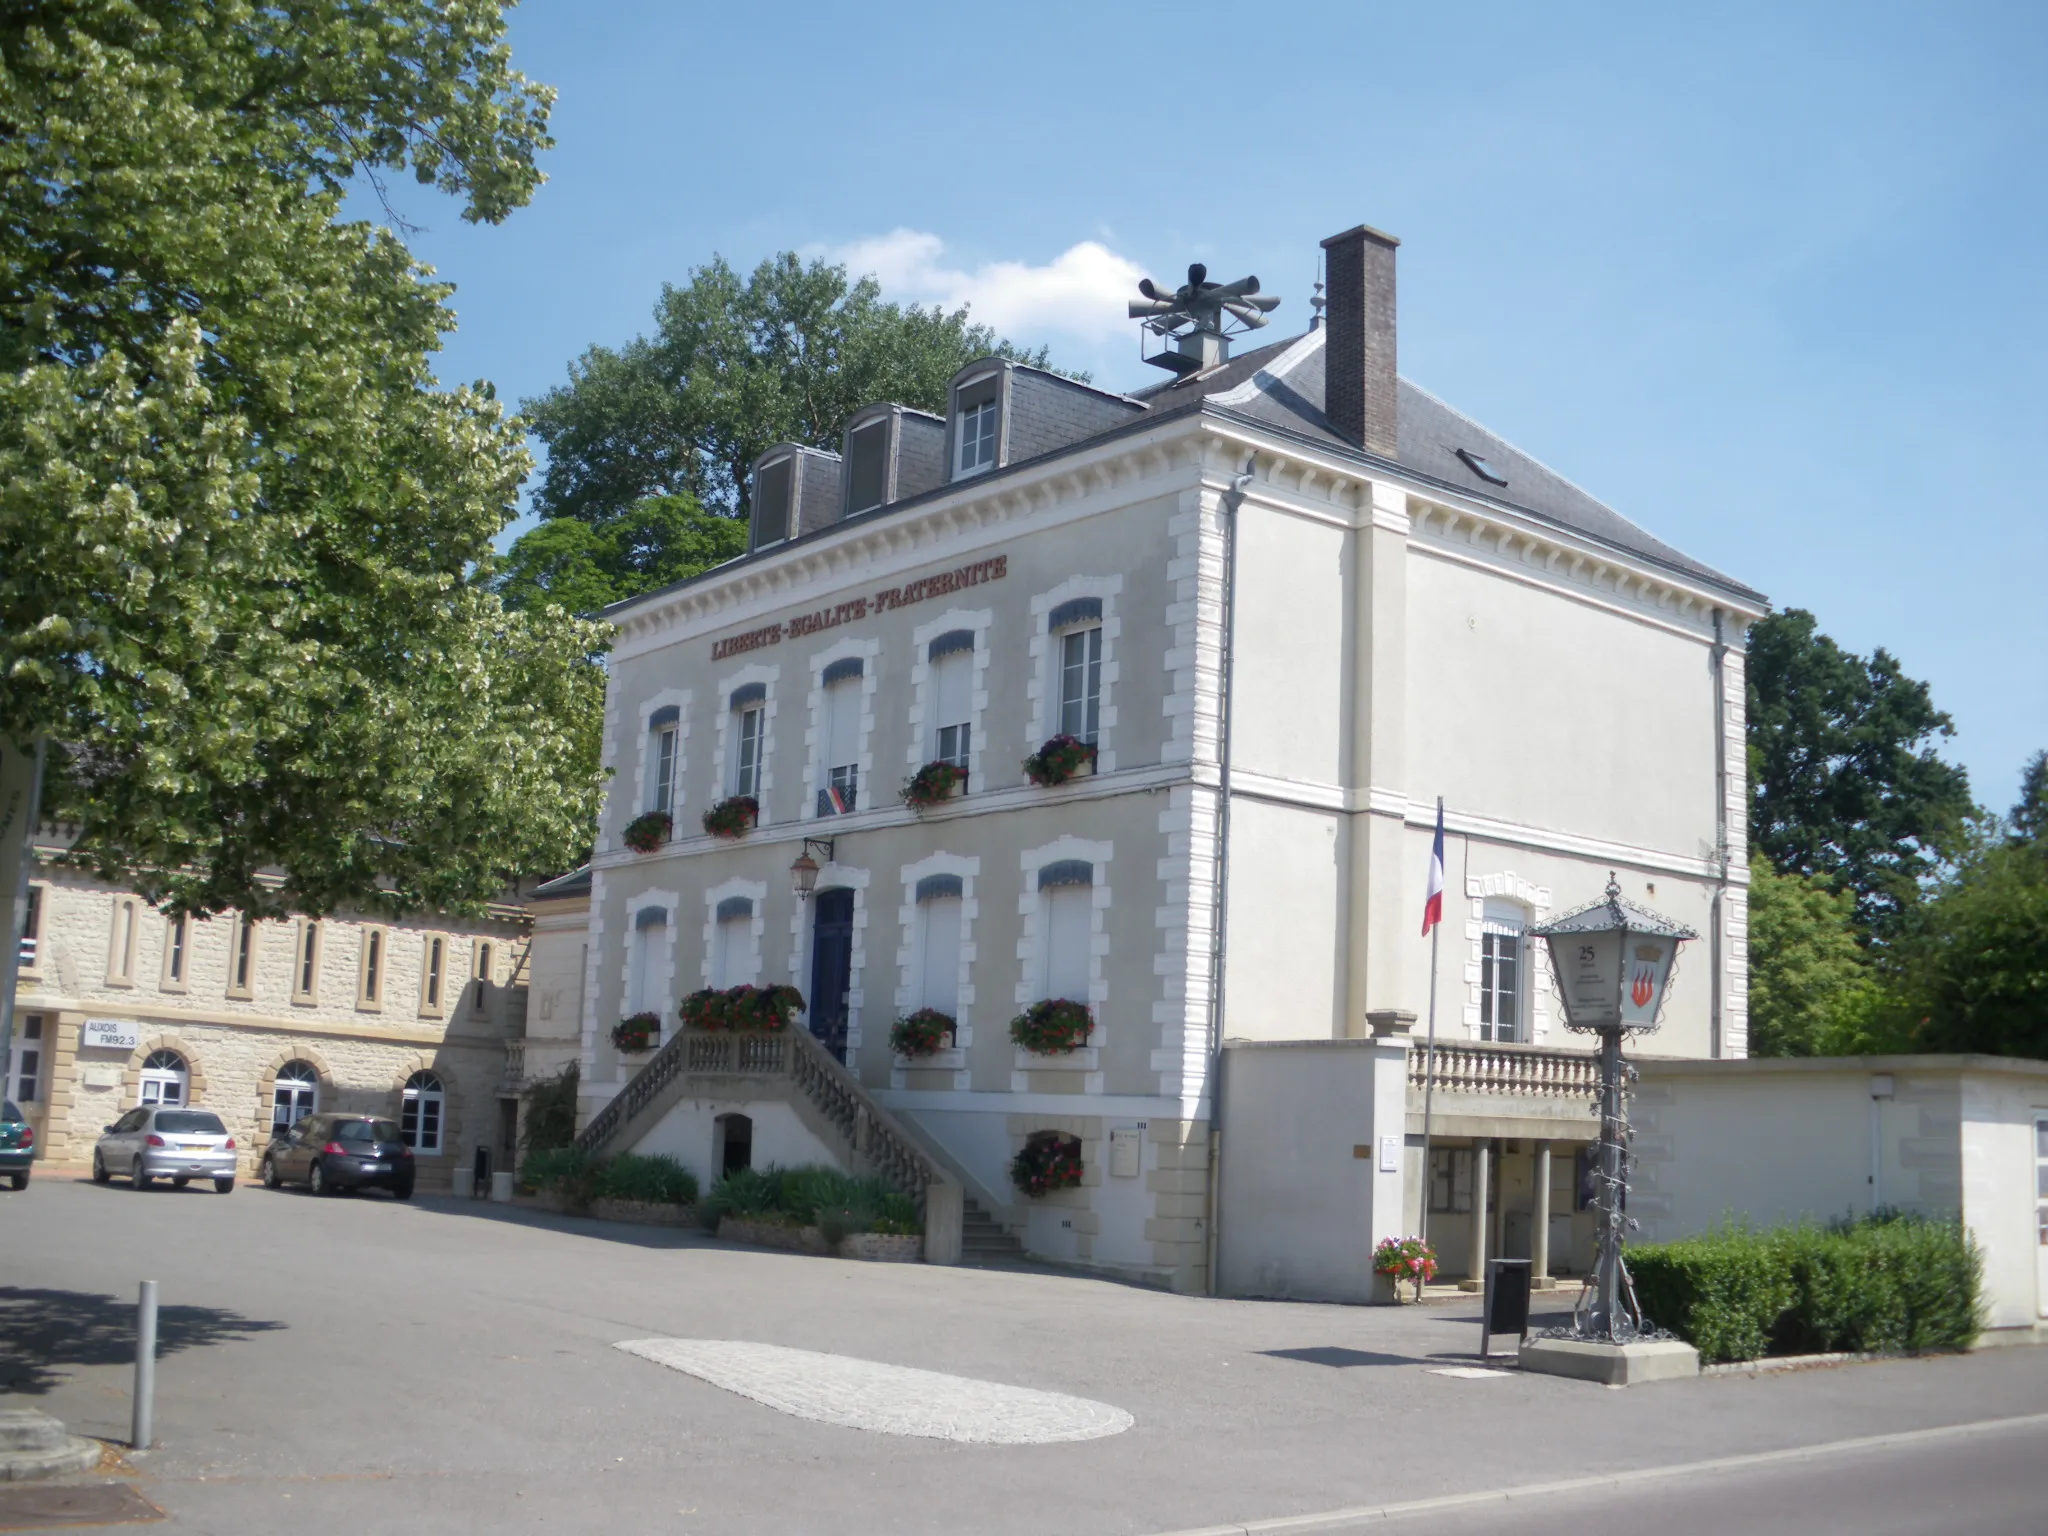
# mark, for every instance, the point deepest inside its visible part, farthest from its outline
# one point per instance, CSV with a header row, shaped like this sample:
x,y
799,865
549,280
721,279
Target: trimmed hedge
x,y
1884,1284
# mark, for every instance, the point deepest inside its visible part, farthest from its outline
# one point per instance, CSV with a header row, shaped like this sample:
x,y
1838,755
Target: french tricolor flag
x,y
1433,898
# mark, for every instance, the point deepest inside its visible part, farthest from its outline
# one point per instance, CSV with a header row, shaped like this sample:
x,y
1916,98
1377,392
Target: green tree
x,y
581,566
734,367
2029,818
1845,785
243,530
1813,990
1970,963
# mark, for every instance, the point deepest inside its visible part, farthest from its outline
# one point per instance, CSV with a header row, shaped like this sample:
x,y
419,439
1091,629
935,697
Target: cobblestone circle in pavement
x,y
890,1399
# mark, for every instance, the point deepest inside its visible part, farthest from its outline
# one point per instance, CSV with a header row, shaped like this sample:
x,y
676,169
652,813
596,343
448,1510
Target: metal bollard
x,y
145,1367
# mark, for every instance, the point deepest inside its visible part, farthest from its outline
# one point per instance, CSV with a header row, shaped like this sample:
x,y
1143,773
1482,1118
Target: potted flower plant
x,y
742,1008
1052,1027
923,1033
1060,759
1404,1258
636,1033
933,784
732,817
646,833
1050,1160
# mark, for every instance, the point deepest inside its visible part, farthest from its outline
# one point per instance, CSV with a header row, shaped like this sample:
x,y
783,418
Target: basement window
x,y
1481,468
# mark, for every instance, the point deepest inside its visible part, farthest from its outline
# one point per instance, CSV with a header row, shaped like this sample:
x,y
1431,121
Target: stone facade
x,y
101,965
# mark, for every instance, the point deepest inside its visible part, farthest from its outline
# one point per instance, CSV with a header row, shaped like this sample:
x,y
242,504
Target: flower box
x,y
1053,1027
1061,758
646,834
933,784
1397,1260
733,817
1050,1161
923,1033
636,1033
742,1008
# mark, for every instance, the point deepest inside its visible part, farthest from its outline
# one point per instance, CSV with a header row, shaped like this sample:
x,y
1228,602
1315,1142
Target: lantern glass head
x,y
1612,960
803,875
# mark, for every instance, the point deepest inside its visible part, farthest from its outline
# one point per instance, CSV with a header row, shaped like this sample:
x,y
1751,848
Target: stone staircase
x,y
786,1066
984,1240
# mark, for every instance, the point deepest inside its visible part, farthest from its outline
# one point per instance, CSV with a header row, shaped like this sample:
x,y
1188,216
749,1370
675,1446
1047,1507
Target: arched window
x,y
296,1095
421,1113
165,1078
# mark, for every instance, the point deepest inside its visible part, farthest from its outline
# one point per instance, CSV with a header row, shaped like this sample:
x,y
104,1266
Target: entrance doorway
x,y
735,1134
831,967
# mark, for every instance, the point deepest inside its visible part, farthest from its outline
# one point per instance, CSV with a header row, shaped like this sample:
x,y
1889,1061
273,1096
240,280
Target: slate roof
x,y
1431,433
575,883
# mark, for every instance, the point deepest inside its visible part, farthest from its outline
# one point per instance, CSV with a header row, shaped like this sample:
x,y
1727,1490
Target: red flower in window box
x,y
645,834
636,1033
1050,1160
923,1033
1053,1027
932,784
1060,759
733,816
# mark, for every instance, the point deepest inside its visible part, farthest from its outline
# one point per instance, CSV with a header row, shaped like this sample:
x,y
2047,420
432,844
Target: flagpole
x,y
1429,1060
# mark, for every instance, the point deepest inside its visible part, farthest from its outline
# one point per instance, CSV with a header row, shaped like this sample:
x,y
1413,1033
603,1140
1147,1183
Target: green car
x,y
17,1144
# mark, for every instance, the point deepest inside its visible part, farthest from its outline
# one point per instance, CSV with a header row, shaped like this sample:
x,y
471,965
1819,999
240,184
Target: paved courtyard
x,y
357,1363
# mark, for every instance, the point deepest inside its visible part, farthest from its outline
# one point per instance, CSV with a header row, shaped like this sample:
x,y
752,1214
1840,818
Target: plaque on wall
x,y
111,1034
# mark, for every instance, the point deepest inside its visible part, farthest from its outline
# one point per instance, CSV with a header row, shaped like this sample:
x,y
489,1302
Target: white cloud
x,y
1081,292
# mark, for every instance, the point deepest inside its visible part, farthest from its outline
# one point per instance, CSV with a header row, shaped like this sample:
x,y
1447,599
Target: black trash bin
x,y
1504,1307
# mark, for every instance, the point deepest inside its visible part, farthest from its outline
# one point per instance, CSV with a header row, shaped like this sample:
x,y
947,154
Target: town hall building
x,y
1249,625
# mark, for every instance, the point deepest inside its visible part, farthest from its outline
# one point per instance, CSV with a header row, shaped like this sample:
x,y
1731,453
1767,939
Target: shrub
x,y
645,834
932,784
923,1033
1058,760
1884,1284
550,1112
636,1033
1050,1160
657,1180
742,1008
733,816
553,1170
1052,1027
745,1192
836,1203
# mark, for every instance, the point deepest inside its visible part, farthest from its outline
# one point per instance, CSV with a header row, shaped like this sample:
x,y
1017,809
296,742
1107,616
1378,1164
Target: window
x,y
664,734
867,466
121,942
732,942
306,964
1500,974
1450,1181
649,941
939,909
370,979
177,953
839,749
772,486
1066,898
1481,468
483,963
750,715
25,1070
975,423
295,1096
242,964
165,1078
421,1112
1081,683
952,664
432,970
32,931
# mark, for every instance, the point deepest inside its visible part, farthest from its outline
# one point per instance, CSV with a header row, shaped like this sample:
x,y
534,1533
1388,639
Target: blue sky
x,y
1766,278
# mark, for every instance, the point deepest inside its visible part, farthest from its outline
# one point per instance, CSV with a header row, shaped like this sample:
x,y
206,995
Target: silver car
x,y
156,1142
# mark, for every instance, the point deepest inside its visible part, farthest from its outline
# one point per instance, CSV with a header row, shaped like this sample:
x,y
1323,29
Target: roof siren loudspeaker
x,y
1199,318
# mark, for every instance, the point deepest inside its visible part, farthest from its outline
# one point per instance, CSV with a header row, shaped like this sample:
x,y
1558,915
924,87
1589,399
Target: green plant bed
x,y
838,1204
642,1180
1884,1284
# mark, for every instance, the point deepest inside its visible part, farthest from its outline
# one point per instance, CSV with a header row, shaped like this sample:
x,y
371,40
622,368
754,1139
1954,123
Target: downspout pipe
x,y
1716,981
1233,499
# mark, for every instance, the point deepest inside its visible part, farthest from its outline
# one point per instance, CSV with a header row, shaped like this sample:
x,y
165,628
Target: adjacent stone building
x,y
264,1022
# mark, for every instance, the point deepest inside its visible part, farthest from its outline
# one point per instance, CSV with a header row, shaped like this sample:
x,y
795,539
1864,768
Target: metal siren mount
x,y
1199,318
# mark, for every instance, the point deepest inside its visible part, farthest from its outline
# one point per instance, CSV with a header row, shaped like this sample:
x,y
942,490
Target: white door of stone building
x,y
2041,1214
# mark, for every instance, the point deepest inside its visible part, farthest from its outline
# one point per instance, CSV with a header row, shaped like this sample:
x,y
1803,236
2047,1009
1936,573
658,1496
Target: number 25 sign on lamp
x,y
1613,962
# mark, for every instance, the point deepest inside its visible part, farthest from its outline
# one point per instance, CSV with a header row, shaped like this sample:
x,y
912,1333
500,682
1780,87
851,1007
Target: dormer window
x,y
773,484
975,414
867,466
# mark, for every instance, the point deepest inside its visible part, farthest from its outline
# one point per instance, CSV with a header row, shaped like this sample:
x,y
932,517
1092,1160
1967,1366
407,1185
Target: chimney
x,y
1358,354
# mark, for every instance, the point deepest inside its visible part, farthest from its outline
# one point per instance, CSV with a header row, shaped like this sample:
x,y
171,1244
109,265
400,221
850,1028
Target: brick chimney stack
x,y
1358,354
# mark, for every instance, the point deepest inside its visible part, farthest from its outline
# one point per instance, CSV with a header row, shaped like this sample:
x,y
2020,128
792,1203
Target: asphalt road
x,y
344,1364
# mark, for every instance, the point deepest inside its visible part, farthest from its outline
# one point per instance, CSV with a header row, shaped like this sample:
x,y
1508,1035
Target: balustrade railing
x,y
1522,1071
869,1129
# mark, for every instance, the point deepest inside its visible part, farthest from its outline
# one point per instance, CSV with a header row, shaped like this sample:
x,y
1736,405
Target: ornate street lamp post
x,y
1612,960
